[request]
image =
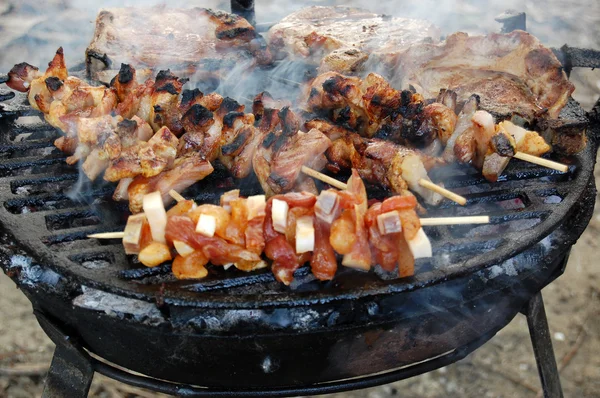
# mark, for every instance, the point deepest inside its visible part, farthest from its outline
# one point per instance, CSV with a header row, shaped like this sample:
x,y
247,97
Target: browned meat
x,y
186,171
512,73
265,101
372,107
125,82
344,39
165,102
460,145
384,163
299,150
331,130
141,158
188,41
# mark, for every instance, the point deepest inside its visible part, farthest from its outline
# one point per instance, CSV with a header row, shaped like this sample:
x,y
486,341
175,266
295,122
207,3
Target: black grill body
x,y
246,331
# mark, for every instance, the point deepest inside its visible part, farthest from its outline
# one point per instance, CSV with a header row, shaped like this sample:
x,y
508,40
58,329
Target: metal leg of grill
x,y
71,371
244,8
542,347
70,375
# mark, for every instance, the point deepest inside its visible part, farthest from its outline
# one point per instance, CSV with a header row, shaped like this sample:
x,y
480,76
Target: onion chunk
x,y
156,214
207,225
279,211
420,246
305,235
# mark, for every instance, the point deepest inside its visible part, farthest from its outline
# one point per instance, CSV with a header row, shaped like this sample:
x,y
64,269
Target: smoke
x,y
31,32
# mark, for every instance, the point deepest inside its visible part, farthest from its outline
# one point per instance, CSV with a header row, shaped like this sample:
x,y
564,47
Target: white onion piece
x,y
207,225
256,206
133,233
420,246
157,216
412,171
327,206
389,223
305,235
183,248
227,197
279,211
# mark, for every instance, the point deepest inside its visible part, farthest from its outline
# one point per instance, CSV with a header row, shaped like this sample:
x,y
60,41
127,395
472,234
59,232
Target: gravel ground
x,y
505,366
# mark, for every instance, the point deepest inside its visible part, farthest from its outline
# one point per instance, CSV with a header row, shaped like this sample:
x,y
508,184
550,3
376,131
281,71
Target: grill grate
x,y
50,208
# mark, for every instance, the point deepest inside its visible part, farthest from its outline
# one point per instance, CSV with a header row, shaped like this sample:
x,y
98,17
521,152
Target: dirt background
x,y
505,366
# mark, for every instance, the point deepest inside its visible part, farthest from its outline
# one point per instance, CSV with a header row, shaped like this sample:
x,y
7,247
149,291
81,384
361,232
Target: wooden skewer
x,y
461,200
340,185
176,195
424,222
326,179
455,220
541,161
107,235
424,183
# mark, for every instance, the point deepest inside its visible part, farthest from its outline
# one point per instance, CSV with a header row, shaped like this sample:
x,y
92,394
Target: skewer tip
x,y
542,162
461,200
107,235
176,195
325,178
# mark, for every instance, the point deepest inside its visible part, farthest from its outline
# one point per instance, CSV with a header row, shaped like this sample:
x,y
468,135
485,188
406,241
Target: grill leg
x,y
244,8
542,347
70,375
71,371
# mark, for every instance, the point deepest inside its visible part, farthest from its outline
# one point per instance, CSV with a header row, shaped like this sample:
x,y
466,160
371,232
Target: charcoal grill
x,y
237,334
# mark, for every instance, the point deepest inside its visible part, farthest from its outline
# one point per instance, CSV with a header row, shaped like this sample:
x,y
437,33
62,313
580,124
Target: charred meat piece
x,y
372,107
264,101
125,82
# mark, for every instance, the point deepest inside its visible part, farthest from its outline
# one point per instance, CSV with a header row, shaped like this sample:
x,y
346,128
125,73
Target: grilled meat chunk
x,y
383,163
372,107
186,171
188,41
299,150
512,73
345,39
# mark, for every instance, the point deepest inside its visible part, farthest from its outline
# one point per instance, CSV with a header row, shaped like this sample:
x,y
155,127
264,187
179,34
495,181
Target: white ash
x,y
385,275
547,244
552,199
115,305
24,190
508,267
95,264
267,365
31,274
299,281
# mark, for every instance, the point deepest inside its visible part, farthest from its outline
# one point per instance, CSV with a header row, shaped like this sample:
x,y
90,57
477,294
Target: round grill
x,y
50,209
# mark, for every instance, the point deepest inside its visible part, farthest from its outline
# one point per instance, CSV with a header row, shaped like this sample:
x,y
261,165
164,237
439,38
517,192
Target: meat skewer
x,y
132,156
373,108
430,221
